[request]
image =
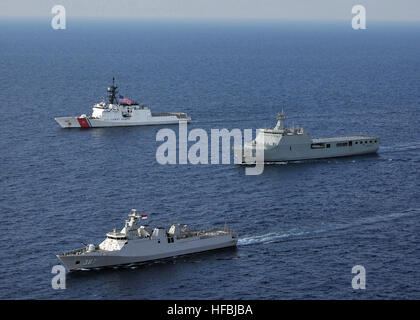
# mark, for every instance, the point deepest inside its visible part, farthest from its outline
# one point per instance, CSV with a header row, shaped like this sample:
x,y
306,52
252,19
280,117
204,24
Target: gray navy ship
x,y
289,144
137,243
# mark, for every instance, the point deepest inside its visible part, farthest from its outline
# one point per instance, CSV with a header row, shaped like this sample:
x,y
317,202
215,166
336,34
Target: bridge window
x,y
342,144
116,238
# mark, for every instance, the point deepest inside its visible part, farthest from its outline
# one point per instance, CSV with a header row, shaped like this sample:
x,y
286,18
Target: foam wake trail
x,y
269,237
300,234
400,147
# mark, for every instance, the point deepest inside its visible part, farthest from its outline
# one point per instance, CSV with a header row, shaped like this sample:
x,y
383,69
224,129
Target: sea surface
x,y
302,225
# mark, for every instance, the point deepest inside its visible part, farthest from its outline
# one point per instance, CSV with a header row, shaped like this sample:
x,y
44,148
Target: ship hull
x,y
318,149
85,122
152,251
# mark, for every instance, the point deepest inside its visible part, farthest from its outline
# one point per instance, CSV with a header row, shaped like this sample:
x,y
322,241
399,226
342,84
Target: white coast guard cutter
x,y
120,112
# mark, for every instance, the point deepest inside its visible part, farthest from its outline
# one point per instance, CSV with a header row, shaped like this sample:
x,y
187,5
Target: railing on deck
x,y
179,115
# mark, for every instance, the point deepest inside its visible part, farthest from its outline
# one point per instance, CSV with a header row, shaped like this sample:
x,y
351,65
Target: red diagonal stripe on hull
x,y
83,122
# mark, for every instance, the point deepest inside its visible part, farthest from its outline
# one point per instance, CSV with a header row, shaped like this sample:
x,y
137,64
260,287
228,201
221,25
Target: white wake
x,y
400,147
296,234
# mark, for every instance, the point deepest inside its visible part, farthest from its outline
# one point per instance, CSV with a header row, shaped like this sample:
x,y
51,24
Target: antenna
x,y
112,92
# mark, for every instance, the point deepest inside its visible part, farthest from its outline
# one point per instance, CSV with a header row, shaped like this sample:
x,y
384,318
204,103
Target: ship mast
x,y
112,92
280,117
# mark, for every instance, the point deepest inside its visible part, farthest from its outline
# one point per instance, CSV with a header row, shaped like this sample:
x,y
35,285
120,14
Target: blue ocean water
x,y
302,225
